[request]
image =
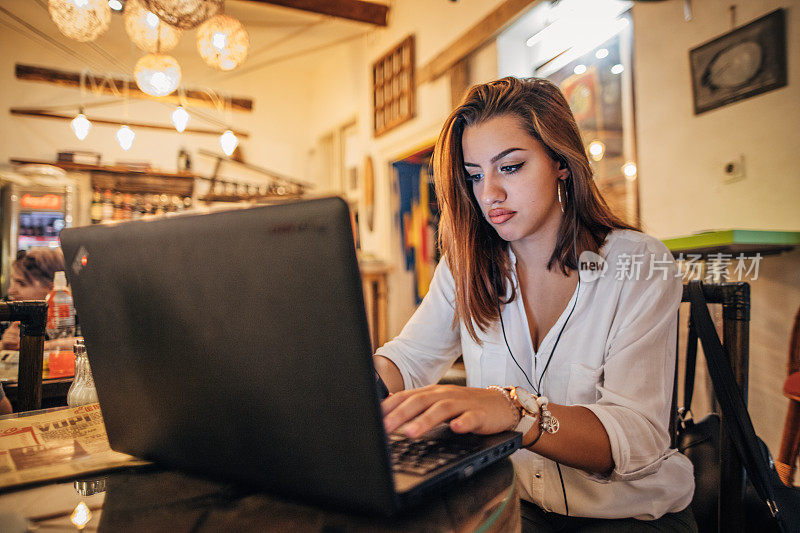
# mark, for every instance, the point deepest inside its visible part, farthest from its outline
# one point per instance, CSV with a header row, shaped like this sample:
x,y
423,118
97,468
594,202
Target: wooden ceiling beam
x,y
483,31
114,86
357,10
41,113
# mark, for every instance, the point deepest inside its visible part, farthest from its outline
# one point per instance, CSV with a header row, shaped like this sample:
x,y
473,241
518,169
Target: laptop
x,y
235,345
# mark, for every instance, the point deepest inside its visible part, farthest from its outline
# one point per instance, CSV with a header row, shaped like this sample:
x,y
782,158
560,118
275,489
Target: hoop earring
x,y
558,188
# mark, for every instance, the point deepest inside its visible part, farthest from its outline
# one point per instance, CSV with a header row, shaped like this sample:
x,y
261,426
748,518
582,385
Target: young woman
x,y
581,364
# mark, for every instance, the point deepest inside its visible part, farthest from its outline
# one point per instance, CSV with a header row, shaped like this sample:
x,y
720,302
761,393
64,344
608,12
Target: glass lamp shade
x,y
81,126
183,14
228,142
180,118
82,20
157,74
222,42
125,137
147,31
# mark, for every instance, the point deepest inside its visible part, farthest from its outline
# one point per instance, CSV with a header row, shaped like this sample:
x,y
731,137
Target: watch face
x,y
527,400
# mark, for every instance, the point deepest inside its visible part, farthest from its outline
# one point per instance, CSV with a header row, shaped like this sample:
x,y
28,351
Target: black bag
x,y
769,504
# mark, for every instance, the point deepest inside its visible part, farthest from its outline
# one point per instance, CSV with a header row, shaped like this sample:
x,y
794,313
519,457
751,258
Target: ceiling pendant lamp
x,y
125,137
183,14
228,141
147,31
180,118
157,74
82,20
222,42
81,125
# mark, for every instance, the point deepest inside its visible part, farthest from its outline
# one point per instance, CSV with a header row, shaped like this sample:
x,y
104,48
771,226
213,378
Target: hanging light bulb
x,y
228,142
81,125
125,137
180,118
157,74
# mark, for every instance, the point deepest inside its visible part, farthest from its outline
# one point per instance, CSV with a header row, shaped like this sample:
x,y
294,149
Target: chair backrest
x,y
32,316
794,346
735,300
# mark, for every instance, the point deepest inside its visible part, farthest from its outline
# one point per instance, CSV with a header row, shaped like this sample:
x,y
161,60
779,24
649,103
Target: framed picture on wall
x,y
747,61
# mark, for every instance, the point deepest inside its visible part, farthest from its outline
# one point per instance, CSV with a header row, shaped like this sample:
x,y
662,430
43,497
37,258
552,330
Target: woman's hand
x,y
469,410
10,339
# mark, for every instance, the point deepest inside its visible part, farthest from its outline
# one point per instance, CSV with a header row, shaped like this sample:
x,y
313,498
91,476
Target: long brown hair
x,y
476,255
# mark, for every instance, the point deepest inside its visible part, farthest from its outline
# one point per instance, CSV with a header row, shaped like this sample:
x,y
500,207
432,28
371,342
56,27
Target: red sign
x,y
50,202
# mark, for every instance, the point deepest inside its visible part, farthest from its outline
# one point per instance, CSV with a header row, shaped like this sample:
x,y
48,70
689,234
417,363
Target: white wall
x,y
682,155
342,90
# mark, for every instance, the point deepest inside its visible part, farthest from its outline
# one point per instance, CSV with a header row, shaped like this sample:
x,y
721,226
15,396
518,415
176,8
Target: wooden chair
x,y
32,316
790,444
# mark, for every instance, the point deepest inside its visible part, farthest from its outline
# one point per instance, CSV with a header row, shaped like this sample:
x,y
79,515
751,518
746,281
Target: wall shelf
x,y
734,241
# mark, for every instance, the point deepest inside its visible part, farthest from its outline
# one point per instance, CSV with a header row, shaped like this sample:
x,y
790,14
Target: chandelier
x,y
157,74
183,14
147,31
82,20
222,42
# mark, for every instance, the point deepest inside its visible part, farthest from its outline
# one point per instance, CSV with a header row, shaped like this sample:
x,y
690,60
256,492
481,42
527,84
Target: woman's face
x,y
21,289
513,178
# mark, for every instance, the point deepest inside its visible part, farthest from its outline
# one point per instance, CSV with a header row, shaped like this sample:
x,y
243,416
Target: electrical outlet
x,y
734,170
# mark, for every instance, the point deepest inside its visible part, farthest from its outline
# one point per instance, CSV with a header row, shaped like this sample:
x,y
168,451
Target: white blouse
x,y
616,357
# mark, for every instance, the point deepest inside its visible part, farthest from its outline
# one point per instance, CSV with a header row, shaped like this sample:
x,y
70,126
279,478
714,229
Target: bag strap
x,y
691,363
730,399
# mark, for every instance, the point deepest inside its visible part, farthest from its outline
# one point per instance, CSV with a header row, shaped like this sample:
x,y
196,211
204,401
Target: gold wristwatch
x,y
528,408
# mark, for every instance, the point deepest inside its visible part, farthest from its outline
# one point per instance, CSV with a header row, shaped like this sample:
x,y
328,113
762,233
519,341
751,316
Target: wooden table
x,y
153,498
54,388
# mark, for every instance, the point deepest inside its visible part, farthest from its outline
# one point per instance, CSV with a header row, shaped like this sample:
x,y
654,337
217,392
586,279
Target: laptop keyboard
x,y
420,456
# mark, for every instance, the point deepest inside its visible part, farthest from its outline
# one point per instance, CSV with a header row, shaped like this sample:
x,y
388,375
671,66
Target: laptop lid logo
x,y
81,260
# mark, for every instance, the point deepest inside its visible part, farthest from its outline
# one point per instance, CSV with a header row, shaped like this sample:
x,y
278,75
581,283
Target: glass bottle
x,y
82,390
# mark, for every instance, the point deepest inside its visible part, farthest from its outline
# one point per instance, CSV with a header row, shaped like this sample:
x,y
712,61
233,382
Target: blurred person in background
x,y
32,276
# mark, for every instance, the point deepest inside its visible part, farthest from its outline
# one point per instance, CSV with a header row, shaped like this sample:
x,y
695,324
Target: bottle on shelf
x,y
119,212
127,207
82,391
108,205
97,207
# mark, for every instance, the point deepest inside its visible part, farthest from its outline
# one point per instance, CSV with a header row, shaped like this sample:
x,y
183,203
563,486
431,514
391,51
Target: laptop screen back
x,y
236,344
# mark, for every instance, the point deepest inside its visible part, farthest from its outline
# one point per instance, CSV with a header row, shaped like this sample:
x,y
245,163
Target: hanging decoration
x,y
222,42
180,118
147,31
228,141
82,20
157,74
81,125
184,14
125,137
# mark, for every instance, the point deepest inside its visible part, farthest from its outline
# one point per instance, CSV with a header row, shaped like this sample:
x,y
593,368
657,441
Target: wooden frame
x,y
116,87
747,61
394,87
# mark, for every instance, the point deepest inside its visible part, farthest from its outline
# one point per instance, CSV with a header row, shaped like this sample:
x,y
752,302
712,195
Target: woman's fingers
x,y
468,422
410,406
437,413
